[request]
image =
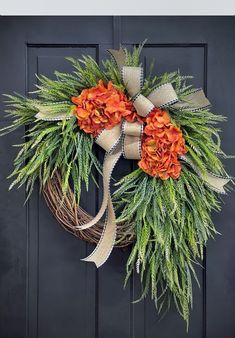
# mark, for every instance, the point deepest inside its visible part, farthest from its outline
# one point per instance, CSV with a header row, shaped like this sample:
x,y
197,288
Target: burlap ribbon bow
x,y
125,139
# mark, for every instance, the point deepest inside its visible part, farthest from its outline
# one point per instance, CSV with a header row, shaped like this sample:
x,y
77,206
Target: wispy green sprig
x,y
172,223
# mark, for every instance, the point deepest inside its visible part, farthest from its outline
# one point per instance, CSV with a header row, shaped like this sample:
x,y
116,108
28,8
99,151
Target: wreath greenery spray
x,y
169,210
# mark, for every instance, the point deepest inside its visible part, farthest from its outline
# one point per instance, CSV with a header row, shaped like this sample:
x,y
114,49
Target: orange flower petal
x,y
162,143
103,106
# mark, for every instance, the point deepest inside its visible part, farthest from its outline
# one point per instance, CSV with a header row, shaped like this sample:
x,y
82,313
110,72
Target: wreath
x,y
164,206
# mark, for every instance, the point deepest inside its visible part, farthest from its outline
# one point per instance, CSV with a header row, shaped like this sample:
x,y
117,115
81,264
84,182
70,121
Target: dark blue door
x,y
45,290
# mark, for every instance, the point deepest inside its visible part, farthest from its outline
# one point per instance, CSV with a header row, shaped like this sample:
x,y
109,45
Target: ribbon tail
x,y
53,117
104,248
214,181
107,240
55,111
193,102
109,163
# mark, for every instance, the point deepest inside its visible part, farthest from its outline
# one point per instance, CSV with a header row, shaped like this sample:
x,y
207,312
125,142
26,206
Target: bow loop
x,y
132,78
143,105
163,96
119,56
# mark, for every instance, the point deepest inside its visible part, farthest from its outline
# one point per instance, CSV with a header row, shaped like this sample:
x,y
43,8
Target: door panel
x,y
45,289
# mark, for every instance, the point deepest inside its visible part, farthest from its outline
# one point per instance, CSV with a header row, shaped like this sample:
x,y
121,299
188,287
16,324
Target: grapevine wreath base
x,y
164,206
69,214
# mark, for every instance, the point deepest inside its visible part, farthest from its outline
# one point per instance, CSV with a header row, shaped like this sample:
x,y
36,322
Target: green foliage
x,y
21,110
172,219
50,146
172,223
87,71
133,57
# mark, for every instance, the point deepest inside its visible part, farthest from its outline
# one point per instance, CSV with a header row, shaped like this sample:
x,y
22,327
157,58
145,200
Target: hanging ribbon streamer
x,y
214,181
125,139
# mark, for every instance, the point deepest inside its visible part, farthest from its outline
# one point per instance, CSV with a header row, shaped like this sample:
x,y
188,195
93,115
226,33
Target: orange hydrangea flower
x,y
102,107
162,143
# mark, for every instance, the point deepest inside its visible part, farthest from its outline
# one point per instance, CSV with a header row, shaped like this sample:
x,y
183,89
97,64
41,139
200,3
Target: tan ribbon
x,y
107,240
58,117
50,112
214,181
132,134
125,139
122,139
193,102
118,56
